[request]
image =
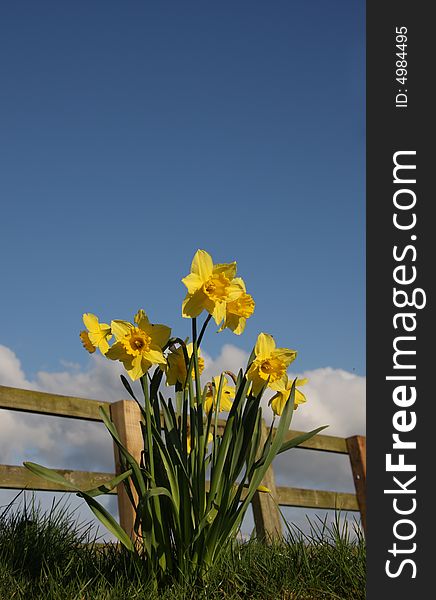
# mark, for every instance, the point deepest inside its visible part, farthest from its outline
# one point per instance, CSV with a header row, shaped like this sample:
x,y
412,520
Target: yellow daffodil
x,y
210,287
188,442
279,400
227,395
238,311
176,369
138,347
97,335
270,364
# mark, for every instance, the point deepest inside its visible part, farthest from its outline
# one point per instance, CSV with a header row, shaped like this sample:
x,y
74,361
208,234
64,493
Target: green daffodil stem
x,y
203,329
200,440
147,404
196,369
158,524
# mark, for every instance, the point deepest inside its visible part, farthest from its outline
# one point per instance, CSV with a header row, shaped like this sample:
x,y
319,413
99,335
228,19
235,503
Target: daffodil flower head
x,y
210,286
176,365
279,399
138,346
226,397
97,335
269,364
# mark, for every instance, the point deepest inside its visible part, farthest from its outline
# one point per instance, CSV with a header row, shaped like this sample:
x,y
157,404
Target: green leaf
x,y
128,387
155,382
137,478
299,439
107,486
108,521
261,466
169,466
101,513
50,474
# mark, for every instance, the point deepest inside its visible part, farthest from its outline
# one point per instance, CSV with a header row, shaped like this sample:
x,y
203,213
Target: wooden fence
x,y
126,416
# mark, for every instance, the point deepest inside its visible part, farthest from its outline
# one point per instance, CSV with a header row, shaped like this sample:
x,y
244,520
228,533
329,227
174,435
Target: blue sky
x,y
133,133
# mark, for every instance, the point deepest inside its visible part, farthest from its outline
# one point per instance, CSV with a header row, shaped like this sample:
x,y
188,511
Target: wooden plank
x,y
265,512
326,443
316,499
17,478
357,450
50,404
82,408
126,416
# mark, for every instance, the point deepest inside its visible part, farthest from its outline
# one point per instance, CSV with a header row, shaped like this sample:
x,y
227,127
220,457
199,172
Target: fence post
x,y
265,512
357,451
126,416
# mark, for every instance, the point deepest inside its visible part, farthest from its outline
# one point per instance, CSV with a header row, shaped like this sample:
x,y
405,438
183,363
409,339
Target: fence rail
x,y
126,415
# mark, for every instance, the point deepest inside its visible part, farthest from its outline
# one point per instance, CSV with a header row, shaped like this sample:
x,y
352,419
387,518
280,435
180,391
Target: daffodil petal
x,y
225,404
229,392
240,327
300,398
235,323
234,292
257,381
155,356
120,329
286,355
193,305
96,337
141,318
208,403
278,402
279,384
103,346
284,385
202,265
238,281
219,312
136,370
265,345
193,282
90,321
117,352
160,334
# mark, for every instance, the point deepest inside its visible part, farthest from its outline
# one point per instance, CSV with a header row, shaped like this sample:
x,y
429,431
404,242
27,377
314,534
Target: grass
x,y
51,556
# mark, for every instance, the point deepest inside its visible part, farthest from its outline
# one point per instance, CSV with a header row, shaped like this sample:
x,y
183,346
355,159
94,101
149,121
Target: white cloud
x,y
335,398
230,358
11,372
55,441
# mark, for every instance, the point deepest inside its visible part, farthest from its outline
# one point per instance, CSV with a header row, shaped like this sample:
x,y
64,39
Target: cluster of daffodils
x,y
213,288
191,481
